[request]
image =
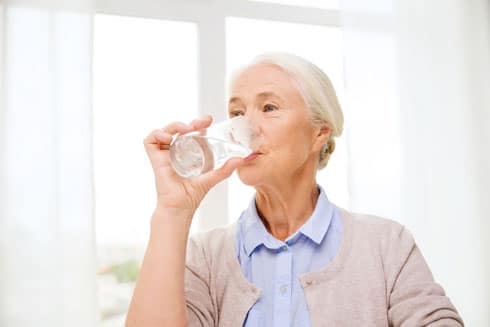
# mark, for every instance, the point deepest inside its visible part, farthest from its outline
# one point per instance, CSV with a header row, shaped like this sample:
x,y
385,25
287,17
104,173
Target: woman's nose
x,y
254,125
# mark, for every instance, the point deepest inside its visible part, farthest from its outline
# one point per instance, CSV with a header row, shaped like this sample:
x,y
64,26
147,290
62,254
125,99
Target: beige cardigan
x,y
378,278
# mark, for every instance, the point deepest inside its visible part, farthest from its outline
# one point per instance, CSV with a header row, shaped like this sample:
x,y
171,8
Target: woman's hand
x,y
159,296
176,193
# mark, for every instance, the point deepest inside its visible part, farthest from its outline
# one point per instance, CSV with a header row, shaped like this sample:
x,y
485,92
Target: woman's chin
x,y
249,175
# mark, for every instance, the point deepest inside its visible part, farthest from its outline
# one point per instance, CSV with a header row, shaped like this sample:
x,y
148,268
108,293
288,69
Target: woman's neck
x,y
285,208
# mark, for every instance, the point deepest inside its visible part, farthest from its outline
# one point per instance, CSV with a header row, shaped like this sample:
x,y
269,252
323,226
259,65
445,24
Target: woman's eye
x,y
269,107
235,113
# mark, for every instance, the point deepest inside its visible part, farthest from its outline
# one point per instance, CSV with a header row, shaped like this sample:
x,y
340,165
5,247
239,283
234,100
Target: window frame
x,y
210,19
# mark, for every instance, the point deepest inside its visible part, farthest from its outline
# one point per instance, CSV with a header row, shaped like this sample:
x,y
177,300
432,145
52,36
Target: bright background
x,y
83,82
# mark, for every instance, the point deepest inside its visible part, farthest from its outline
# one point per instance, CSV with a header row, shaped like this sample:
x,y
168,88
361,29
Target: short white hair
x,y
317,91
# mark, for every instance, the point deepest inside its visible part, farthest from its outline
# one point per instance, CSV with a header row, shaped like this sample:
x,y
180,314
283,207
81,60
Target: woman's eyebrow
x,y
234,99
269,94
265,94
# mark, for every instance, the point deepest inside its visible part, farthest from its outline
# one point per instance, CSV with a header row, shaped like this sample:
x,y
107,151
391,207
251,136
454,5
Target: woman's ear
x,y
322,137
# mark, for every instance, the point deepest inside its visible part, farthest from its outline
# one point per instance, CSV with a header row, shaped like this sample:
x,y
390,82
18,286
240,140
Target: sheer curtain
x,y
417,90
47,253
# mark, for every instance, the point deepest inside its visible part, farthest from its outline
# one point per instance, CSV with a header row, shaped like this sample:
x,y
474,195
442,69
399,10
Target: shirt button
x,y
283,289
284,248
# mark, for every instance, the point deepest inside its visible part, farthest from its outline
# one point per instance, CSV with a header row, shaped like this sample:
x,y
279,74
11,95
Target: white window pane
x,y
324,4
145,76
245,38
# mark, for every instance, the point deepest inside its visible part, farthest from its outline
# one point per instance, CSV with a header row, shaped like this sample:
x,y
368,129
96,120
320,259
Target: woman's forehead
x,y
263,80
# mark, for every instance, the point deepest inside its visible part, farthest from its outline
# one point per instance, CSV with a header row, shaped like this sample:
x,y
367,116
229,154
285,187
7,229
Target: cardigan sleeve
x,y
414,298
200,309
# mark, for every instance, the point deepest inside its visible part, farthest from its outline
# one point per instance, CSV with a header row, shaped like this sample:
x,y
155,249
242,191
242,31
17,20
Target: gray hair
x,y
317,91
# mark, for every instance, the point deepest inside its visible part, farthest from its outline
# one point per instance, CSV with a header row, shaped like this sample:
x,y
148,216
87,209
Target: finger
x,y
213,177
162,137
157,137
177,127
155,143
202,122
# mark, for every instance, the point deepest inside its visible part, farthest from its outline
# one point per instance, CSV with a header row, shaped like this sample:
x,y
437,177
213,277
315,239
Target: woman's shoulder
x,y
368,220
218,234
216,241
376,227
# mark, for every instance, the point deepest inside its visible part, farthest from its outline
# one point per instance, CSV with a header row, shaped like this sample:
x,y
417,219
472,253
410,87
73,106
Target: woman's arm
x,y
158,298
415,299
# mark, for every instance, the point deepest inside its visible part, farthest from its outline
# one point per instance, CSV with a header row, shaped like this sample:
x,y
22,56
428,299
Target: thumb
x,y
215,176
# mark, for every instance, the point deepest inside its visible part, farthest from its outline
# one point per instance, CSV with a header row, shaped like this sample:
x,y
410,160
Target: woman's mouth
x,y
253,156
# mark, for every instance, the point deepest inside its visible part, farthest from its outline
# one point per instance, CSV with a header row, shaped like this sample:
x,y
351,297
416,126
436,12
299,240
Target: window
x,y
145,74
325,4
149,71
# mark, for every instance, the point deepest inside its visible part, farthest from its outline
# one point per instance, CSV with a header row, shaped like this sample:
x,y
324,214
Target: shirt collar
x,y
315,228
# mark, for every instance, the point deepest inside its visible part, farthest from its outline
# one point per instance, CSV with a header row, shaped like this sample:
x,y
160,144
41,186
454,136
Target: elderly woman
x,y
293,258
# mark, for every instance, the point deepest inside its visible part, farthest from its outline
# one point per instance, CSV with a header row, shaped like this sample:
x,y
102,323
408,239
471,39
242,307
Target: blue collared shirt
x,y
274,266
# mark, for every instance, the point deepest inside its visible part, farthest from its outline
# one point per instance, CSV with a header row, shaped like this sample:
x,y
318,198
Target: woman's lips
x,y
252,156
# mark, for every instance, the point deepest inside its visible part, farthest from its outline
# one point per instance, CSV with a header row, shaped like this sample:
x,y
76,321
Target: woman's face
x,y
287,142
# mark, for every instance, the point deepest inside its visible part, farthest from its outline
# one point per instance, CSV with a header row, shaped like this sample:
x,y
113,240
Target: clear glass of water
x,y
198,152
